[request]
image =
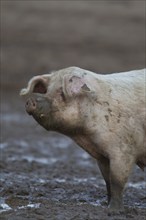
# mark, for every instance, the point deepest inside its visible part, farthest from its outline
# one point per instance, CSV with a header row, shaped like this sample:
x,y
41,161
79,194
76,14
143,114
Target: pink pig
x,y
104,114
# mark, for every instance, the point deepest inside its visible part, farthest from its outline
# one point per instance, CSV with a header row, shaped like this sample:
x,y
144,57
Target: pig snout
x,y
30,105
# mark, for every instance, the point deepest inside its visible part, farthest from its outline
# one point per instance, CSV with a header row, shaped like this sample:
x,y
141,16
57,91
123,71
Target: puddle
x,y
62,143
139,185
31,159
60,180
98,202
84,180
91,180
15,117
40,160
85,163
31,205
20,143
84,155
23,143
16,203
3,145
3,206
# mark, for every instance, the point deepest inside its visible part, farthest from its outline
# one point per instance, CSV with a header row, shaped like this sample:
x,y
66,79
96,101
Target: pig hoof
x,y
112,212
115,207
115,210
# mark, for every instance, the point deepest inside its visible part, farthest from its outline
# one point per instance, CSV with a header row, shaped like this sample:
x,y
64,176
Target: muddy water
x,y
47,176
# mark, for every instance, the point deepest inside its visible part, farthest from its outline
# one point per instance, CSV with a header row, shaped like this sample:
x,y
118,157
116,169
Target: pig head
x,y
54,100
103,114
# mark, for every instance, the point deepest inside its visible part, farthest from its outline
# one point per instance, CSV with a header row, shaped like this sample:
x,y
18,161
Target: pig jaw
x,y
53,116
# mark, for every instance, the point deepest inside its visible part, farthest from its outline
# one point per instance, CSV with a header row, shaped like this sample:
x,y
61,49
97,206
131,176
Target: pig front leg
x,y
120,169
104,167
115,173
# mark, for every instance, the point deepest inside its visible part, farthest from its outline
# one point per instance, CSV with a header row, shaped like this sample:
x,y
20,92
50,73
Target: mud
x,y
45,175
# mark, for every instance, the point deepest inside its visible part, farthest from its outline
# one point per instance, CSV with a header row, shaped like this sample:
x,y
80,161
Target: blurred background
x,y
40,36
44,175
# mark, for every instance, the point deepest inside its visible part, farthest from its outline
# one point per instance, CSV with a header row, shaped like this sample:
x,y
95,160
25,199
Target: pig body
x,y
104,114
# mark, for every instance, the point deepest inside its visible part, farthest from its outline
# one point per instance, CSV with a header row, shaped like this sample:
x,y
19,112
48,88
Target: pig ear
x,y
40,87
37,84
75,85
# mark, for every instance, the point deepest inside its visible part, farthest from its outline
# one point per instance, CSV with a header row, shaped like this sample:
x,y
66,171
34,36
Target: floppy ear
x,y
74,85
37,84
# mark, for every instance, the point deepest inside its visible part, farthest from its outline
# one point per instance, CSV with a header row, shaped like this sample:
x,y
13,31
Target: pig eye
x,y
40,87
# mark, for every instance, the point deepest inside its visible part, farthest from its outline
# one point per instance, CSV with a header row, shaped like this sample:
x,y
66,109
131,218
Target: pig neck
x,y
83,135
93,121
87,126
85,142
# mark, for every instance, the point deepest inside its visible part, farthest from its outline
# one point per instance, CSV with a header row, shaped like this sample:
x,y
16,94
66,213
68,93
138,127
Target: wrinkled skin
x,y
104,114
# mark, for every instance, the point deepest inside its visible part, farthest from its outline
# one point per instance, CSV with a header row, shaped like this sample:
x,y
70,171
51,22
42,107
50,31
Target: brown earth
x,y
46,175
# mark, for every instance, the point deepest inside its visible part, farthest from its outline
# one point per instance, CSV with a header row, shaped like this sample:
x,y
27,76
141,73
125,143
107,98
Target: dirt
x,y
45,175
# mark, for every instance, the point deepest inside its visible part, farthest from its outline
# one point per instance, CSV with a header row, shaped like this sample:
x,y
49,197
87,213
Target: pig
x,y
103,113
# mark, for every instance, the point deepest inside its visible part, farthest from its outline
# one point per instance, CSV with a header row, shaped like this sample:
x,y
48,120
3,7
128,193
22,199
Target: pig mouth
x,y
39,107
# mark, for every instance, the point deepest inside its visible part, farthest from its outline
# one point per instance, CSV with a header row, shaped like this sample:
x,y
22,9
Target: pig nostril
x,y
30,105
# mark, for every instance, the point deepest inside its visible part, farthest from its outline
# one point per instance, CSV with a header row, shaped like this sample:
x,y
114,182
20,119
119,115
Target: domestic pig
x,y
103,113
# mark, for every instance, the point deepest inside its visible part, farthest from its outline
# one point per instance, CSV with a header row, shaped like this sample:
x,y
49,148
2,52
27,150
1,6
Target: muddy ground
x,y
46,175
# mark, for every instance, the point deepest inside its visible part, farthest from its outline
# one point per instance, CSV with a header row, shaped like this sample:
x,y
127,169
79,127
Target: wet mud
x,y
45,175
